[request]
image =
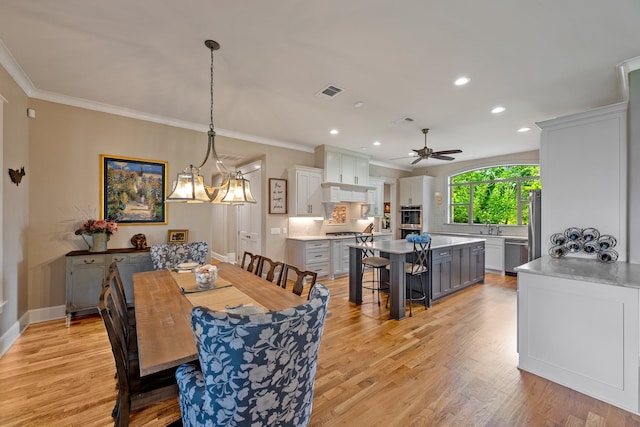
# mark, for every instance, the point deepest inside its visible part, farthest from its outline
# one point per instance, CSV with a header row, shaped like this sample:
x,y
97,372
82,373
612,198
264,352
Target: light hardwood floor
x,y
452,365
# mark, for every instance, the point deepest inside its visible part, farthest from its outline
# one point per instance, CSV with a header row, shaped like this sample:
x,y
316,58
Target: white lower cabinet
x,y
310,255
581,334
494,254
340,256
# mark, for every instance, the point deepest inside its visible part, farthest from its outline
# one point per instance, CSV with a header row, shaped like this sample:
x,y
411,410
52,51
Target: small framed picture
x,y
277,196
178,236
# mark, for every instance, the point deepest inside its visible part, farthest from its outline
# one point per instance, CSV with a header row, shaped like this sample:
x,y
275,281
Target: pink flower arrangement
x,y
92,226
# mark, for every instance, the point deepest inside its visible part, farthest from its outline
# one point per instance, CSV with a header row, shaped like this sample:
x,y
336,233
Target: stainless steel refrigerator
x,y
534,227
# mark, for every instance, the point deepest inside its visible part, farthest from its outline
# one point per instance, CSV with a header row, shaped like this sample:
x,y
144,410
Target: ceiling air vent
x,y
329,92
402,120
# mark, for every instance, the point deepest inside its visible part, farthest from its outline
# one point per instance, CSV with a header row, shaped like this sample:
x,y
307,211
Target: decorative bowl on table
x,y
206,275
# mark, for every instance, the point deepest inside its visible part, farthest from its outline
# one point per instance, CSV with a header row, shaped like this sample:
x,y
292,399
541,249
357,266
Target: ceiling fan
x,y
426,152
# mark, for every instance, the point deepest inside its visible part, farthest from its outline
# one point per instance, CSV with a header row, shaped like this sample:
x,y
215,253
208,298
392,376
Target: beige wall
x,y
15,203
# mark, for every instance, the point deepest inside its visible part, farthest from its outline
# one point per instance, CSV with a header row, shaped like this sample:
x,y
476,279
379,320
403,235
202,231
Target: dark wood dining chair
x,y
302,278
251,262
271,270
374,263
126,313
134,392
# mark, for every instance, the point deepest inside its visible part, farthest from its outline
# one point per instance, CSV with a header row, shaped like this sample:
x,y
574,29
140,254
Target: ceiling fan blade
x,y
417,160
403,157
439,157
447,152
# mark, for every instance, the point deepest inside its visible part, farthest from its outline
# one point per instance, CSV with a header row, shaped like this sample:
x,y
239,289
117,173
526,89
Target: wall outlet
x,y
275,230
284,230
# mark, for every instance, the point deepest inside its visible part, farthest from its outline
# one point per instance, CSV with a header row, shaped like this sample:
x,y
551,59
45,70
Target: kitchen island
x,y
579,326
456,262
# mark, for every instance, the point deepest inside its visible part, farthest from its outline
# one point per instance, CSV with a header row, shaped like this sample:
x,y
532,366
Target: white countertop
x,y
325,237
404,247
481,236
588,270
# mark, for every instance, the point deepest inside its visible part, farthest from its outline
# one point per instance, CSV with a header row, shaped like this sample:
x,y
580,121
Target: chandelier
x,y
189,186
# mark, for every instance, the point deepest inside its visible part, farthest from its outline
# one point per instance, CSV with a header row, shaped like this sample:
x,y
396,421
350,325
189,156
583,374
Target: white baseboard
x,y
9,337
46,314
31,316
220,257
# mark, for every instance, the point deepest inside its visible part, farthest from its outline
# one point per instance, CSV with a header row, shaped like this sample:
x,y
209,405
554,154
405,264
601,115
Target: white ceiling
x,y
539,59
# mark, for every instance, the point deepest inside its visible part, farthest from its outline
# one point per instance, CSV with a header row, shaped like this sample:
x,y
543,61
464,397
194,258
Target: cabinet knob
x,y
89,262
118,259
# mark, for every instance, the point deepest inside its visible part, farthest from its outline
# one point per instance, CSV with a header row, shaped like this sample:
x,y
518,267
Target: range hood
x,y
334,192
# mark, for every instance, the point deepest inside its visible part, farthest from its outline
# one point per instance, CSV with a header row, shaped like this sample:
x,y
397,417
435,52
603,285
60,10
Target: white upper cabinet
x,y
583,169
376,197
412,191
342,166
306,191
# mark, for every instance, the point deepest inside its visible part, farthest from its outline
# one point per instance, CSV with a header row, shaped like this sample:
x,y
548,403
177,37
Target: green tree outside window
x,y
498,195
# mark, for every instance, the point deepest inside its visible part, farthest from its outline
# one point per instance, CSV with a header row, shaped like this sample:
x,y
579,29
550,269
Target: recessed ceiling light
x,y
461,81
524,129
334,131
497,110
376,143
358,104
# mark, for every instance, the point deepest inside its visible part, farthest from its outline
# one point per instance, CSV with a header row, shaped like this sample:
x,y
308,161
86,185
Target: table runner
x,y
223,295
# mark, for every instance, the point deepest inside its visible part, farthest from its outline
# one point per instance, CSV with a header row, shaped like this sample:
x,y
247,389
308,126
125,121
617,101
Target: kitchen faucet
x,y
489,227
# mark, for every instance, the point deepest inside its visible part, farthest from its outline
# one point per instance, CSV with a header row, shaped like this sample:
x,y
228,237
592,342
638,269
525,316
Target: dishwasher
x,y
516,252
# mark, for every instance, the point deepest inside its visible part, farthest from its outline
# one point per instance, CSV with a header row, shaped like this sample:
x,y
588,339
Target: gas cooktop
x,y
343,233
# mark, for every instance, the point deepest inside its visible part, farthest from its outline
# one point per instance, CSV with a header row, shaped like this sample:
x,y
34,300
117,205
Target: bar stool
x,y
419,266
370,260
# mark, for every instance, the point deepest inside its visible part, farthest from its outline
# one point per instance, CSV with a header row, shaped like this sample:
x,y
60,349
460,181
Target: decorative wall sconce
x,y
437,196
16,175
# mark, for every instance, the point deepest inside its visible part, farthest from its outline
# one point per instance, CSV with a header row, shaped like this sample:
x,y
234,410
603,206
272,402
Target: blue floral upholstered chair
x,y
257,370
171,254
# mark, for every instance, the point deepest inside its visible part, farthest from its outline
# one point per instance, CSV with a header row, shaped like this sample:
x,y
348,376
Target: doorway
x,y
250,218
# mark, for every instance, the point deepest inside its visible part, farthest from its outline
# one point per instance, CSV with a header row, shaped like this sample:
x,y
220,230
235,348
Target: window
x,y
497,194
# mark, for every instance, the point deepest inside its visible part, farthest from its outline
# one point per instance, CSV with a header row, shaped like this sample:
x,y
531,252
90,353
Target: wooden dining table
x,y
164,300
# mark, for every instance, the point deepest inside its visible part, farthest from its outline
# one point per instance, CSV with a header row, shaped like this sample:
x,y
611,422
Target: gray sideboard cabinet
x,y
86,272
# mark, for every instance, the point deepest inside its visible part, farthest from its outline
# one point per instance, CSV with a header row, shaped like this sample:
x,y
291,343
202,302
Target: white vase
x,y
99,242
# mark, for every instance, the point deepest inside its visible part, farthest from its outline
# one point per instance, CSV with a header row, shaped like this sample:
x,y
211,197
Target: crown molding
x,y
15,71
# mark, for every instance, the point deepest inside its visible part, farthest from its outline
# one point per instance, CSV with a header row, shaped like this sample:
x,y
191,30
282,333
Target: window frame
x,y
521,205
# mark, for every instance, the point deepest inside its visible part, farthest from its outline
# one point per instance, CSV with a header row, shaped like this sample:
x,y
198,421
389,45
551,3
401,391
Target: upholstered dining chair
x,y
169,255
418,267
298,279
373,262
256,370
134,392
251,262
271,270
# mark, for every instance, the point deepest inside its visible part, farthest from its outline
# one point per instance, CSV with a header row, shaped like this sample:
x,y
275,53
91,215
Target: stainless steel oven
x,y
411,217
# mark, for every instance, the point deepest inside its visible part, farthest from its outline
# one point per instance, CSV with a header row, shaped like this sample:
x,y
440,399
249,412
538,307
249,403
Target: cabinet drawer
x,y
441,253
320,244
322,268
477,247
317,255
88,260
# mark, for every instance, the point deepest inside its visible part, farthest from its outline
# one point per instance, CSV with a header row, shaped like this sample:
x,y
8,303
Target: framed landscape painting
x,y
133,190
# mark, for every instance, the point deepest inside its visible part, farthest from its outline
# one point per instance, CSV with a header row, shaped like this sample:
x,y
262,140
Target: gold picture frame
x,y
133,190
178,236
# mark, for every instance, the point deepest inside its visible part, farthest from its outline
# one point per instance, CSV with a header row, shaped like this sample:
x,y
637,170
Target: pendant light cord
x,y
211,146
